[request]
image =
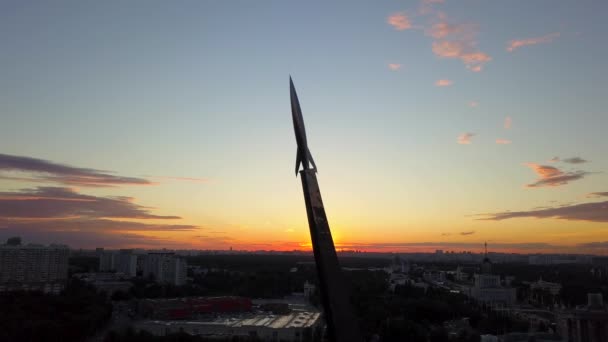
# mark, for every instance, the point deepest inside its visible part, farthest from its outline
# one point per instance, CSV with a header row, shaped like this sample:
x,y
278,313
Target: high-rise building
x,y
106,262
33,267
165,267
123,261
585,323
126,262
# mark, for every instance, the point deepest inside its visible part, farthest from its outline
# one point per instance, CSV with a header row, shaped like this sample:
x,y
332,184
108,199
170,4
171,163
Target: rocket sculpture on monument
x,y
341,321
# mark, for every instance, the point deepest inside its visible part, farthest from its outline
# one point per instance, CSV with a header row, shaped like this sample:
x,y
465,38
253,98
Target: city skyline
x,y
436,126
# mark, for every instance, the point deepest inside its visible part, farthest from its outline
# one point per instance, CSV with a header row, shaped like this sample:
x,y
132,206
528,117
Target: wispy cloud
x,y
184,179
470,232
399,21
594,212
571,160
39,170
55,214
443,83
602,245
92,225
443,29
463,50
552,176
508,122
574,160
517,43
451,40
394,66
598,194
426,6
503,141
465,138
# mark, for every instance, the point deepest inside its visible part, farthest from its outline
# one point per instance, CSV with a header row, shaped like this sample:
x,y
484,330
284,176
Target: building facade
x,y
488,289
585,324
123,261
33,268
165,268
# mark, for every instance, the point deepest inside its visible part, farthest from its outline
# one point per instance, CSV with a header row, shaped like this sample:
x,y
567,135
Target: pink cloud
x,y
517,43
457,41
443,29
426,6
473,104
508,122
465,138
503,141
399,21
394,66
463,50
552,176
443,83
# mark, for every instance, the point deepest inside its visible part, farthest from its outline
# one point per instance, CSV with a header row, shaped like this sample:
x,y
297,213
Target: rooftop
x,y
293,320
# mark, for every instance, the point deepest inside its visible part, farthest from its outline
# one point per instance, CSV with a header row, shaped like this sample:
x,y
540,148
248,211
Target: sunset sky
x,y
434,124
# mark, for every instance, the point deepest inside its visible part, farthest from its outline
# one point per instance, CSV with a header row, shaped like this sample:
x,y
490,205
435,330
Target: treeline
x,y
73,315
260,284
265,262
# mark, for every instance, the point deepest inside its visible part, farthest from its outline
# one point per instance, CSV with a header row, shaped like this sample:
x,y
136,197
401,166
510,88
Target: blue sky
x,y
199,89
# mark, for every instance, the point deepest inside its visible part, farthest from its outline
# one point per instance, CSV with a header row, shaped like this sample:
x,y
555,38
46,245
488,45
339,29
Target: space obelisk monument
x,y
342,324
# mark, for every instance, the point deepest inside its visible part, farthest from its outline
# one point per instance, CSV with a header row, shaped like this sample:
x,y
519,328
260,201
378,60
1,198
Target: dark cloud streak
x,y
58,202
574,160
593,212
44,170
598,194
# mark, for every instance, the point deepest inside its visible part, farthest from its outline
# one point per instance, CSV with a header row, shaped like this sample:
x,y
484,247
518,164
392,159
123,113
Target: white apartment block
x,y
33,268
123,261
165,268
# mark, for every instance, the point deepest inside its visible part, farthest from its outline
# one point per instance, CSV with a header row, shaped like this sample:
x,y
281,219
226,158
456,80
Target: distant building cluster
x,y
163,267
550,259
110,283
33,267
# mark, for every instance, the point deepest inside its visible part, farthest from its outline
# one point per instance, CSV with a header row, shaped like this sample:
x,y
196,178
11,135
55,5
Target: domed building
x,y
487,287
